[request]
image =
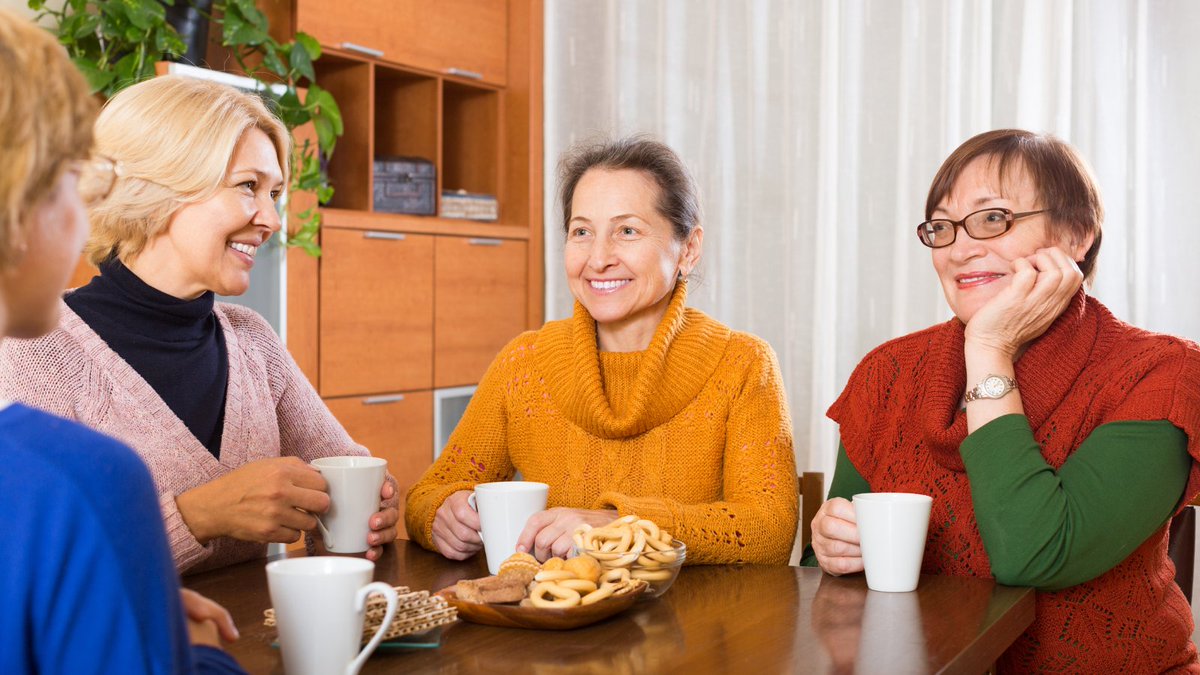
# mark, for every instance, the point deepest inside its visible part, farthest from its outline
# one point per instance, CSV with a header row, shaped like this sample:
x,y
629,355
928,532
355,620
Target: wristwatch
x,y
993,386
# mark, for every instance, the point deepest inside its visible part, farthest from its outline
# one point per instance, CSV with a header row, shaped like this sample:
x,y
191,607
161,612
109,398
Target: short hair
x,y
678,199
174,137
1065,185
46,115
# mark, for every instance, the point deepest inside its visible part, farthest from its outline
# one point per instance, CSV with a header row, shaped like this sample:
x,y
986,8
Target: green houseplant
x,y
116,43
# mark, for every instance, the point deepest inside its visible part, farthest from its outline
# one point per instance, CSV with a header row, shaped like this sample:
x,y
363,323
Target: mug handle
x,y
471,502
360,604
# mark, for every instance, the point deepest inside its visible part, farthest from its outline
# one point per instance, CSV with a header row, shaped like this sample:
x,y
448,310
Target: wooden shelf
x,y
399,222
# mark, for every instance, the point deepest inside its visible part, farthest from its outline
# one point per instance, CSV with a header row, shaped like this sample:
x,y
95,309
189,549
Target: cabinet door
x,y
376,312
398,428
446,36
480,305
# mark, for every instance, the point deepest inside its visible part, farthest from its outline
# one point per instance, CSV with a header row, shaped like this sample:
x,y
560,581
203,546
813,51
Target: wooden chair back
x,y
1181,547
812,495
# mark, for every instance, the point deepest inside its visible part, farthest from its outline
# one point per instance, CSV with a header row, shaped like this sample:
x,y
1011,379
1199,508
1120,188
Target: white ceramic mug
x,y
503,510
354,485
319,606
891,530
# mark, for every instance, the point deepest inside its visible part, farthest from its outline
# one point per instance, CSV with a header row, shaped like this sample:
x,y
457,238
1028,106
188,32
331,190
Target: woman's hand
x,y
270,500
1041,288
549,533
456,527
383,524
208,622
835,538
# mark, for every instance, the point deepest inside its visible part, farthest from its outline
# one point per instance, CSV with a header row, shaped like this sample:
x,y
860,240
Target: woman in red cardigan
x,y
1056,440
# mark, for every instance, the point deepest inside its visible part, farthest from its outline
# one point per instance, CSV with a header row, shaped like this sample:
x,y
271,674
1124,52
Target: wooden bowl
x,y
540,618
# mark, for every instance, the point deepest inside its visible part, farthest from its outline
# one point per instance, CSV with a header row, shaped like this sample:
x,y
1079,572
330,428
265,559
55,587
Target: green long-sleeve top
x,y
1053,529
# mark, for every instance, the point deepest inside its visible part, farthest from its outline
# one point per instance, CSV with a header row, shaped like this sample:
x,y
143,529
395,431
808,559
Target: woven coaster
x,y
416,612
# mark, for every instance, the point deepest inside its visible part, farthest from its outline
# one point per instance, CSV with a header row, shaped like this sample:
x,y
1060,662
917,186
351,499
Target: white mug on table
x,y
891,530
354,485
319,607
503,508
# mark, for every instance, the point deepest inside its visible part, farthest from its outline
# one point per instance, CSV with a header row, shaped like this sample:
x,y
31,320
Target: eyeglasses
x,y
97,176
984,224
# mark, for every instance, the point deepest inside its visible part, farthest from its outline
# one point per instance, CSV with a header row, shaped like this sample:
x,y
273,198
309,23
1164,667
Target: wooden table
x,y
714,619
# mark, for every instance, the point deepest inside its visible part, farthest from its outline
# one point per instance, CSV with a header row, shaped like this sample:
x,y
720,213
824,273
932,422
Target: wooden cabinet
x,y
467,333
401,304
395,427
376,313
464,38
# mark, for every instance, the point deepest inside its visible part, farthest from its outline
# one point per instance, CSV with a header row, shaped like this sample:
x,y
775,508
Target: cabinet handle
x,y
479,241
391,236
469,74
351,47
376,400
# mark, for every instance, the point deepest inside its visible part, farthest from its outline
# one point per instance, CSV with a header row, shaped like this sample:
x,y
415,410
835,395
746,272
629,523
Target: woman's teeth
x,y
608,285
243,248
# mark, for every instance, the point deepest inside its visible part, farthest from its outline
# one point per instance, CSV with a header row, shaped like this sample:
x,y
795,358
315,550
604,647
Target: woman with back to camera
x,y
88,583
1055,440
204,391
637,404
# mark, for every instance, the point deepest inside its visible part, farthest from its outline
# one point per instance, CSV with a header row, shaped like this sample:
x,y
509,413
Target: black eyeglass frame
x,y
1009,219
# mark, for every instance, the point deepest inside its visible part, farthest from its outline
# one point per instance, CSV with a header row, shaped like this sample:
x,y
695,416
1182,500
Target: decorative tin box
x,y
405,185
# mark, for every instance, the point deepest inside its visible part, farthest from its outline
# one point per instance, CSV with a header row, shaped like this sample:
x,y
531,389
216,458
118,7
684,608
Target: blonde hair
x,y
174,137
46,116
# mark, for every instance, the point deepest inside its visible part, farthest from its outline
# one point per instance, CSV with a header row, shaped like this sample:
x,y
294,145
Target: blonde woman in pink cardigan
x,y
205,392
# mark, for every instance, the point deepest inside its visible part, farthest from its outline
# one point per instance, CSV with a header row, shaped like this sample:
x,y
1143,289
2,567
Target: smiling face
x,y
973,271
622,257
210,245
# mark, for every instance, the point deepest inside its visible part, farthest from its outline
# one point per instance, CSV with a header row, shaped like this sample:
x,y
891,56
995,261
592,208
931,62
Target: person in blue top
x,y
89,585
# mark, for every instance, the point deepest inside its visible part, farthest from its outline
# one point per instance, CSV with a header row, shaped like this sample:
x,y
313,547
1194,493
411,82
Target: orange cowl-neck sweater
x,y
692,433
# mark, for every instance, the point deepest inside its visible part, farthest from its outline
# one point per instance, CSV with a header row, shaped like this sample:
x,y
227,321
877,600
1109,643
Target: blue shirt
x,y
88,584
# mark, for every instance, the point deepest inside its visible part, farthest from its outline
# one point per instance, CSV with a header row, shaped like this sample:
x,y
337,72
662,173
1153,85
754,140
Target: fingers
x,y
200,609
452,537
527,542
835,537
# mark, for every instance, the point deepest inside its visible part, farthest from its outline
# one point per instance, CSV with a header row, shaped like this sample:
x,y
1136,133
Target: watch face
x,y
994,387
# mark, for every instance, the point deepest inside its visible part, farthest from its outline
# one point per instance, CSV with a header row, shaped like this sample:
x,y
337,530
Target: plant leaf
x,y
302,63
310,45
97,79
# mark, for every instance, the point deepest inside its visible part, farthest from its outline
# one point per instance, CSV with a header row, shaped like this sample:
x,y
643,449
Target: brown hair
x,y
1066,188
678,200
46,116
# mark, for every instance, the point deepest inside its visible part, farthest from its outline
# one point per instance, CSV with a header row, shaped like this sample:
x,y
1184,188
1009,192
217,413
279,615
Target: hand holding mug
x,y
835,538
1042,286
383,523
456,527
270,500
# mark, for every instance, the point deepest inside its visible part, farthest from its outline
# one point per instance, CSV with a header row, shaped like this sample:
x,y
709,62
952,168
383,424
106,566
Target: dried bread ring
x,y
548,594
663,557
649,527
616,575
651,575
581,586
597,595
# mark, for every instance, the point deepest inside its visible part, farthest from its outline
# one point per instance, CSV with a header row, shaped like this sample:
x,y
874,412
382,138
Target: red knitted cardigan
x,y
901,425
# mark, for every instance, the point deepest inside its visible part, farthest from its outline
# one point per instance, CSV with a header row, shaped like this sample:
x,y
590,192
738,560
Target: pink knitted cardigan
x,y
270,410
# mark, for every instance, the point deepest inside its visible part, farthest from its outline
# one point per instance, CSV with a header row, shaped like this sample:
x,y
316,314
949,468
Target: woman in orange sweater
x,y
636,404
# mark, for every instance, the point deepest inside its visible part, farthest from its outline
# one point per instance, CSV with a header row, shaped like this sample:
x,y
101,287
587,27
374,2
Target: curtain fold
x,y
814,129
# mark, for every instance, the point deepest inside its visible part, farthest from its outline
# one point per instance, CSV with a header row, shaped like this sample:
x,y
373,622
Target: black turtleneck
x,y
175,345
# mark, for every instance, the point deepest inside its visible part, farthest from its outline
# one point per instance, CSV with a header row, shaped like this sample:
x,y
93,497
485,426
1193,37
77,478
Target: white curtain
x,y
815,127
